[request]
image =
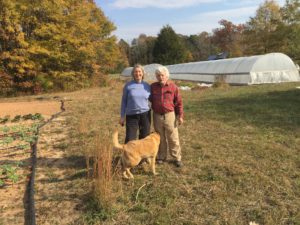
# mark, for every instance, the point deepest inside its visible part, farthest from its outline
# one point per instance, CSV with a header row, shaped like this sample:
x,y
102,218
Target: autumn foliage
x,y
54,45
271,29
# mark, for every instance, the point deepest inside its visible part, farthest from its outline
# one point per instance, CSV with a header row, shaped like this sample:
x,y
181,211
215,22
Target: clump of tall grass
x,y
220,82
83,130
97,150
103,176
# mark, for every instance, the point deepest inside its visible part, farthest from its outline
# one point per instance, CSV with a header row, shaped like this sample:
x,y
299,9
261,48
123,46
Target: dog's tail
x,y
115,140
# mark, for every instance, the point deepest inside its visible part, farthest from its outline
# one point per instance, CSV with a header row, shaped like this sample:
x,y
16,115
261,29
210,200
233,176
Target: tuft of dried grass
x,y
83,130
220,82
103,174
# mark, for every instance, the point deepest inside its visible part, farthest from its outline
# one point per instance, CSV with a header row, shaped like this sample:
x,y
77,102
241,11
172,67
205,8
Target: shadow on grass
x,y
72,162
94,213
275,109
65,163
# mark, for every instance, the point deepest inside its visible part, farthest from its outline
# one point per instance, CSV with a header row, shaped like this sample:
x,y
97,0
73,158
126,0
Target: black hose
x,y
30,218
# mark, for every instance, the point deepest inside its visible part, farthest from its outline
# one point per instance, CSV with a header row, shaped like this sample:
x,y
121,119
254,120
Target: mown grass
x,y
241,159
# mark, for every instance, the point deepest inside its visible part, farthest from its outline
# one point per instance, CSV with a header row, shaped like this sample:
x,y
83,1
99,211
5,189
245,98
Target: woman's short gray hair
x,y
135,67
162,70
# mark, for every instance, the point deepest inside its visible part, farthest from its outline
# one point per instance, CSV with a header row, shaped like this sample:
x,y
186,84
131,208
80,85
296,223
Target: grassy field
x,y
241,155
241,159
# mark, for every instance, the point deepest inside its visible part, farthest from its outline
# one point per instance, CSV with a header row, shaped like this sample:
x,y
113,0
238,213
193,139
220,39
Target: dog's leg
x,y
129,173
148,161
125,174
153,165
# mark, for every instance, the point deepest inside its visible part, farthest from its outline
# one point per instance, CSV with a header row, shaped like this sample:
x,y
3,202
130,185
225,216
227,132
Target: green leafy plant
x,y
10,172
6,141
27,116
30,139
16,119
37,116
5,119
5,129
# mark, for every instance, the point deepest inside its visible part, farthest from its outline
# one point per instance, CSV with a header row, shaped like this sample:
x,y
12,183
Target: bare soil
x,y
46,108
54,170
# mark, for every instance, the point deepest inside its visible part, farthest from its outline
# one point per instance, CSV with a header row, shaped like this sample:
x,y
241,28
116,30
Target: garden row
x,y
16,137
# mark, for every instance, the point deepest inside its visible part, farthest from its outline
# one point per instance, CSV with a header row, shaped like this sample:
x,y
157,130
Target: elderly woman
x,y
135,108
167,114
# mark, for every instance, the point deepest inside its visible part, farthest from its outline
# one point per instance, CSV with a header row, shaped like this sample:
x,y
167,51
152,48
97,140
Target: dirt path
x,y
56,175
46,108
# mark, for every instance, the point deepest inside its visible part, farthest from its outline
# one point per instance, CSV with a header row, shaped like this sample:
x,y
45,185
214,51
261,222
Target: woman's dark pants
x,y
139,122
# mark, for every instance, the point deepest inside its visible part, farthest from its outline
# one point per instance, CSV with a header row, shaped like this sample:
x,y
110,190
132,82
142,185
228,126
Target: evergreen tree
x,y
141,50
200,46
168,48
124,48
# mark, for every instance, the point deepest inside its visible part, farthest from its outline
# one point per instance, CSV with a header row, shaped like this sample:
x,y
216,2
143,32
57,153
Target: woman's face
x,y
138,74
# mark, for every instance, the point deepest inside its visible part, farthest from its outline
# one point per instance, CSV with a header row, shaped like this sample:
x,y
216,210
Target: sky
x,y
187,17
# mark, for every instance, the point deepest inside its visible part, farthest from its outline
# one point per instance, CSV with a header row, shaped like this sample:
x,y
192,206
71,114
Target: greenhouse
x,y
149,72
268,68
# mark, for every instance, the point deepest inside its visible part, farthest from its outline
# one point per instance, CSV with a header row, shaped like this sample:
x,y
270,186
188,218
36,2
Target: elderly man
x,y
167,115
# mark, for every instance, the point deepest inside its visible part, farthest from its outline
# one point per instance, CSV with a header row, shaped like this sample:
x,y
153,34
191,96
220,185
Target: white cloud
x,y
129,32
196,24
193,24
209,20
235,15
159,3
251,2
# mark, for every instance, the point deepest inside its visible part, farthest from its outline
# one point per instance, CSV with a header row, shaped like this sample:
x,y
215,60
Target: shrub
x,y
220,82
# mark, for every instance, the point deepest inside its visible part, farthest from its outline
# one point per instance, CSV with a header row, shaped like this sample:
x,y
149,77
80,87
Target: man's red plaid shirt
x,y
166,98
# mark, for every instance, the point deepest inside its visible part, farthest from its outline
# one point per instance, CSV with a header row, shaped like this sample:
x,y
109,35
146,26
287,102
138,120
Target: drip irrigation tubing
x,y
30,218
13,134
12,148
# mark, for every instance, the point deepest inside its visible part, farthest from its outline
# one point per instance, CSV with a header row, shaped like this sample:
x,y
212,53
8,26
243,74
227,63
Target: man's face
x,y
161,78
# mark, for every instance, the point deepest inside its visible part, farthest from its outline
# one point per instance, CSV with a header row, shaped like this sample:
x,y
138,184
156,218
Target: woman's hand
x,y
122,121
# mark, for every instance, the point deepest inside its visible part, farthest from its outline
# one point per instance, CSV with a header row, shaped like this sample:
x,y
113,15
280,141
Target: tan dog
x,y
134,151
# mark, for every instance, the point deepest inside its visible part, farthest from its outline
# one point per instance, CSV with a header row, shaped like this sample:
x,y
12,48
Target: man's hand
x,y
180,120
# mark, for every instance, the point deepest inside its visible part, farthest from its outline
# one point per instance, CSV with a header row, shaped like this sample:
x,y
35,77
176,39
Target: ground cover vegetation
x,y
240,153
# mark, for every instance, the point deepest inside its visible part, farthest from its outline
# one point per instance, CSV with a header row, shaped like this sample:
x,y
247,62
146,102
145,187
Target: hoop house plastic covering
x,y
149,71
269,68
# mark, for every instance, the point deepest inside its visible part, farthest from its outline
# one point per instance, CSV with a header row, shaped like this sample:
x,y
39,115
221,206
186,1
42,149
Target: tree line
x,y
272,29
48,45
54,45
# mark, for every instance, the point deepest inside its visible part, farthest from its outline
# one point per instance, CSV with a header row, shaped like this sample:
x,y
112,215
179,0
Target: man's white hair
x,y
162,70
